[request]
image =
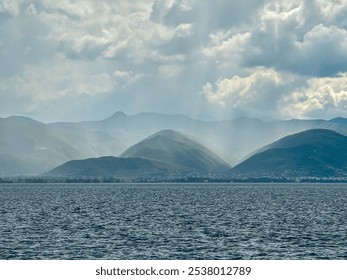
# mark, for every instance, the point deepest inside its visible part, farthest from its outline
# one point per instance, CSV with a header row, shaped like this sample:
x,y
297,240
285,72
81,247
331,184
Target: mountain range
x,y
31,147
166,153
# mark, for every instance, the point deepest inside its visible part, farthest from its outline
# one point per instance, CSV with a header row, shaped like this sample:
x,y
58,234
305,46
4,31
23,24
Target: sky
x,y
84,59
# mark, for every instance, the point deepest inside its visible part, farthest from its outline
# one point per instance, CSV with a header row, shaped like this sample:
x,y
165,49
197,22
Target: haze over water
x,y
173,221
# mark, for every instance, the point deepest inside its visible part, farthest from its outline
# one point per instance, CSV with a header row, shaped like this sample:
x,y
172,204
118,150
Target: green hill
x,y
177,149
315,153
111,167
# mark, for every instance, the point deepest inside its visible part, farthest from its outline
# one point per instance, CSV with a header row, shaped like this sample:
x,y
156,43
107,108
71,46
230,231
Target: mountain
x,y
232,140
10,165
166,153
31,147
177,149
339,120
314,153
28,146
129,168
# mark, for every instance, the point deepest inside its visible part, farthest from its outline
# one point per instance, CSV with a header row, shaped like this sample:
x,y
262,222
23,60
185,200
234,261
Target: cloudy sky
x,y
85,59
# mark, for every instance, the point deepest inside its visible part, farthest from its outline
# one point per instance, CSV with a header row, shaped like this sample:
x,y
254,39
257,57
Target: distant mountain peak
x,y
118,114
168,133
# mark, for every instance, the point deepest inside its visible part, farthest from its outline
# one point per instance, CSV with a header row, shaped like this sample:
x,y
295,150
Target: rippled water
x,y
173,221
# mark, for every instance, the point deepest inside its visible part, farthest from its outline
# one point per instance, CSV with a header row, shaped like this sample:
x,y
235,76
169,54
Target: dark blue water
x,y
177,221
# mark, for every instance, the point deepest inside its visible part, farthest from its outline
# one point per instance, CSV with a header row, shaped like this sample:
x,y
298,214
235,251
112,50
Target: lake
x,y
173,221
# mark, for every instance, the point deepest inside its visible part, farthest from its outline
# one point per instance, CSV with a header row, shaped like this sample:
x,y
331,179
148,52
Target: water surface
x,y
173,221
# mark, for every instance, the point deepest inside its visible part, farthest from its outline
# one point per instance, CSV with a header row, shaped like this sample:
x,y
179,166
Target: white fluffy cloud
x,y
281,94
301,49
9,7
58,78
260,90
108,29
321,96
127,78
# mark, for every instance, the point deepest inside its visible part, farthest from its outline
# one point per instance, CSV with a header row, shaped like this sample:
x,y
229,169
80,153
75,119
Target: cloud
x,y
227,57
169,71
161,8
31,10
81,9
9,7
56,79
332,9
252,94
323,51
280,95
127,78
108,29
320,97
224,49
288,37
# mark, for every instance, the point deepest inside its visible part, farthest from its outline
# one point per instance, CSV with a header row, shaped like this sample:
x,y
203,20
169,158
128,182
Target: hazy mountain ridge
x,y
35,147
166,153
232,140
313,153
30,146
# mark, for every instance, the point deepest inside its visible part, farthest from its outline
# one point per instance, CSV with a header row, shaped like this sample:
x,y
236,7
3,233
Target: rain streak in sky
x,y
86,59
